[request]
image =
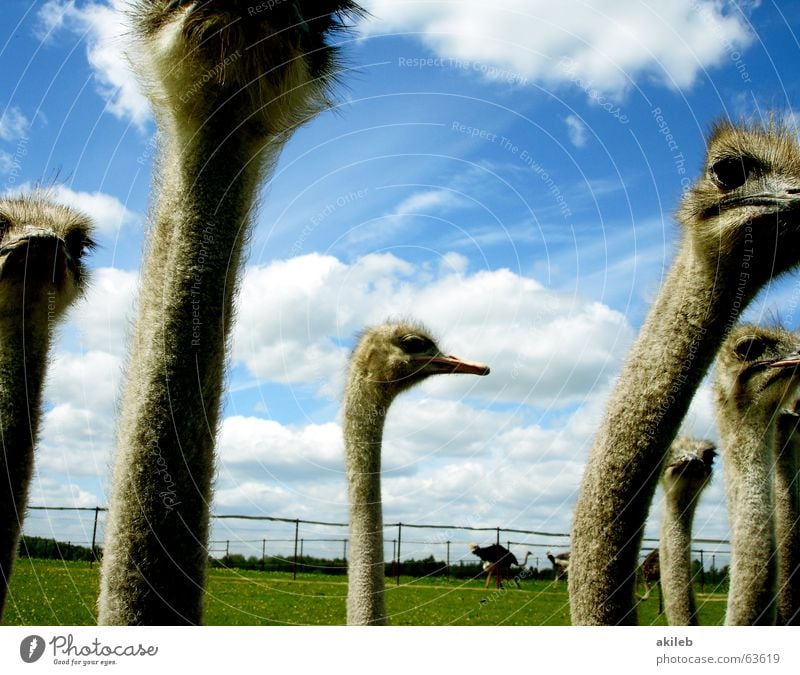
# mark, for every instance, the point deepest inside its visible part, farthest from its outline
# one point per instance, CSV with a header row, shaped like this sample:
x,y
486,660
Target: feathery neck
x,y
679,508
365,407
24,345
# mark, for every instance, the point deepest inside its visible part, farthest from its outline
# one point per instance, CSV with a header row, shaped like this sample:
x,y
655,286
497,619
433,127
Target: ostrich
x,y
498,560
42,246
787,515
651,576
560,565
387,360
741,223
756,377
686,475
229,87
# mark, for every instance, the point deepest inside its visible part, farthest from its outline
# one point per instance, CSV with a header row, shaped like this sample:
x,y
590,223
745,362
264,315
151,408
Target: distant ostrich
x,y
387,360
498,561
651,576
42,246
757,376
686,475
229,87
560,565
787,515
741,223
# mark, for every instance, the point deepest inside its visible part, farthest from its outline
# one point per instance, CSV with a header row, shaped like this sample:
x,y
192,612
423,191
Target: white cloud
x,y
13,124
274,447
605,44
429,200
103,317
108,214
103,27
48,492
576,130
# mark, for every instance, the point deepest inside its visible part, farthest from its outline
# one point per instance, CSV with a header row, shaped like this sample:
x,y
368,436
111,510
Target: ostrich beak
x,y
782,199
443,364
15,254
789,361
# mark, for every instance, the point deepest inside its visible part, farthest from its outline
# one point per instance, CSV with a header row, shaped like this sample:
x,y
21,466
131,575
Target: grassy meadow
x,y
51,592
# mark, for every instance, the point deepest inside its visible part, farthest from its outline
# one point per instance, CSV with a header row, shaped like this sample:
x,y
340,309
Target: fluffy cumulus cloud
x,y
604,44
102,318
103,27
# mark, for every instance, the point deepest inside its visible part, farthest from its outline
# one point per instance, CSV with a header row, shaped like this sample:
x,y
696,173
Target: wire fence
x,y
271,542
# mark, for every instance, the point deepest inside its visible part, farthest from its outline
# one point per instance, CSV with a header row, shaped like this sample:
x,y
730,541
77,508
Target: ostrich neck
x,y
23,360
155,553
697,306
748,459
676,560
787,519
366,404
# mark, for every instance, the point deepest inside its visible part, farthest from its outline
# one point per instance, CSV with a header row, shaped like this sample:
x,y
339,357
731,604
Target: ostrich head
x,y
757,371
269,61
747,199
42,246
395,356
689,466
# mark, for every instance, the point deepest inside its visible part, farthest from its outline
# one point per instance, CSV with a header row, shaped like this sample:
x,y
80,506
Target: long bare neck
x,y
676,559
787,519
156,543
682,333
748,458
364,416
24,344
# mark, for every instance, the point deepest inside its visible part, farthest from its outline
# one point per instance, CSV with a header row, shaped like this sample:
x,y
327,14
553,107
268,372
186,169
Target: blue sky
x,y
507,174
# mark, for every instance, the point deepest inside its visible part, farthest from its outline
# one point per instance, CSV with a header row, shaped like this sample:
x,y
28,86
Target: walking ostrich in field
x,y
387,360
560,563
686,475
42,246
498,561
757,376
787,515
229,87
651,576
741,222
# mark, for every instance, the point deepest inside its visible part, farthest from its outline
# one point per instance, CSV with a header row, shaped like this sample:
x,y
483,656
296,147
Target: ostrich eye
x,y
749,348
77,243
730,173
415,344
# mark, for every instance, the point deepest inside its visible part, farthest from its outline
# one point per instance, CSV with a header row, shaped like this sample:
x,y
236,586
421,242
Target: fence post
x,y
296,534
344,552
94,537
263,554
498,537
399,538
702,573
447,569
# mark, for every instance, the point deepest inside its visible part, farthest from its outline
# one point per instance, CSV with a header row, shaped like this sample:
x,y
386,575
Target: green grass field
x,y
50,592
